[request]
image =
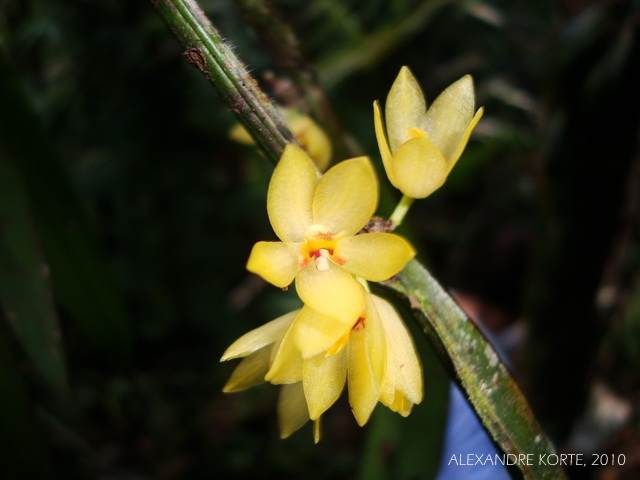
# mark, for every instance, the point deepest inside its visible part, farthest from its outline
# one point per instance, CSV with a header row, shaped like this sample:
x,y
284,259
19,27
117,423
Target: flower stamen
x,y
319,245
322,257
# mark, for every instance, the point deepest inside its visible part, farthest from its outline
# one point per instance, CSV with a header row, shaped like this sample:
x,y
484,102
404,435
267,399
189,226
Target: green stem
x,y
206,50
491,389
305,90
401,210
486,381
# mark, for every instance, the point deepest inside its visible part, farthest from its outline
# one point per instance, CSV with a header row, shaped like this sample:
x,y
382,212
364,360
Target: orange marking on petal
x,y
360,323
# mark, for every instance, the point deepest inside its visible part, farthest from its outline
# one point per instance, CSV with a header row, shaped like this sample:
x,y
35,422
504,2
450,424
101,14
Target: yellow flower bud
x,y
419,147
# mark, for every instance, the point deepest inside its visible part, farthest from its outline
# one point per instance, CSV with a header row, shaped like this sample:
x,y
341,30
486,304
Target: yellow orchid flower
x,y
420,146
257,350
317,221
375,358
307,132
401,387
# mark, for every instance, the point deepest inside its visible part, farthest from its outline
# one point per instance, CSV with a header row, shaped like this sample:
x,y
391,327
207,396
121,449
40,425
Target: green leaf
x,y
25,294
82,281
207,51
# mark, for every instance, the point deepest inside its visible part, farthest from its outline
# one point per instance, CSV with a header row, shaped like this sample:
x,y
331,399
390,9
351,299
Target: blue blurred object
x,y
465,436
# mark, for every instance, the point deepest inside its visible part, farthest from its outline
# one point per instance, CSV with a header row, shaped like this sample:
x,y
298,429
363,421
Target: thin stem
x,y
206,50
476,367
304,90
485,379
401,210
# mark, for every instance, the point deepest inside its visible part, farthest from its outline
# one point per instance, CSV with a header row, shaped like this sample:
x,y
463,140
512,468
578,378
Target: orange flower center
x,y
319,248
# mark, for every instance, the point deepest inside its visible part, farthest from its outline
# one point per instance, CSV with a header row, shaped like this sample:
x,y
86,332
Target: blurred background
x,y
127,215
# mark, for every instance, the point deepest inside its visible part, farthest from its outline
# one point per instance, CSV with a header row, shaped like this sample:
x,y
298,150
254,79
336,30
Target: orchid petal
x,y
323,378
240,134
290,194
399,403
367,364
346,197
450,115
260,337
249,372
286,366
311,137
405,108
375,256
419,168
376,341
383,143
363,391
276,262
333,292
316,332
292,409
363,387
465,138
403,372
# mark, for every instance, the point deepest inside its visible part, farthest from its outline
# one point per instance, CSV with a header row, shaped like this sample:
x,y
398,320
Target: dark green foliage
x,y
117,174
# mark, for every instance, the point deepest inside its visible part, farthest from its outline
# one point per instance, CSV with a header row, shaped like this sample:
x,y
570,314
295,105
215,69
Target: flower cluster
x,y
343,334
375,357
